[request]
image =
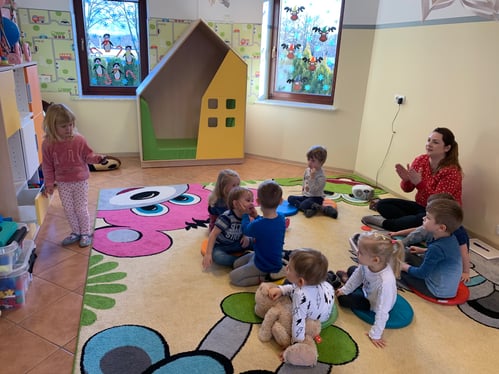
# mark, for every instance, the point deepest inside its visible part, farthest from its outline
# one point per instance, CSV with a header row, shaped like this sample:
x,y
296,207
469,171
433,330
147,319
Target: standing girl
x,y
66,156
217,201
379,264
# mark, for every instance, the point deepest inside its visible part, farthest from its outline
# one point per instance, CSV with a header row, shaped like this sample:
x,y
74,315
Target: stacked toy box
x,y
16,263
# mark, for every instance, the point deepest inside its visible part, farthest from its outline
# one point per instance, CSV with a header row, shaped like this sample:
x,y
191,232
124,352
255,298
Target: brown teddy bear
x,y
277,320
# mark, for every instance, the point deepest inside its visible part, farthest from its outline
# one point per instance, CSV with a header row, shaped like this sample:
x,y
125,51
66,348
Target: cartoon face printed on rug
x,y
134,222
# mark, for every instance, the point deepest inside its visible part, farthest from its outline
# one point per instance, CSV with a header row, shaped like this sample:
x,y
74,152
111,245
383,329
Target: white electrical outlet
x,y
399,99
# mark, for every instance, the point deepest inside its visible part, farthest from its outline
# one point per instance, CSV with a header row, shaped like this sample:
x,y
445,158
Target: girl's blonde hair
x,y
223,179
388,250
57,114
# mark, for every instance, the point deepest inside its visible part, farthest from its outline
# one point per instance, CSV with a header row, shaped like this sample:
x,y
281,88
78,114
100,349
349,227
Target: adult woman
x,y
436,171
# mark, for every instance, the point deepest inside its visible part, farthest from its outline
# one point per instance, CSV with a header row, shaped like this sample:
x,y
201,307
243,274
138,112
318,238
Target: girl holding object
x,y
66,156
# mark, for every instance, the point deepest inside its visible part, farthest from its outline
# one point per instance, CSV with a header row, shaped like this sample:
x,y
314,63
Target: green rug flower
x,y
100,282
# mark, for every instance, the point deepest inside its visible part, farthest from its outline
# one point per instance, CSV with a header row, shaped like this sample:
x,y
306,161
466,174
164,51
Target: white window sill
x,y
294,104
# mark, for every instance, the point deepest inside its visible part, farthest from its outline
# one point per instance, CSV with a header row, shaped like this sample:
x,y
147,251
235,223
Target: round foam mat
x,y
286,209
400,316
463,293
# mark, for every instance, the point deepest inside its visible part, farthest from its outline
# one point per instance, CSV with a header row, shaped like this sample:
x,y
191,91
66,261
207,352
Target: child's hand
x,y
416,250
103,160
207,261
46,191
465,277
379,343
404,266
338,292
275,293
281,356
245,241
252,212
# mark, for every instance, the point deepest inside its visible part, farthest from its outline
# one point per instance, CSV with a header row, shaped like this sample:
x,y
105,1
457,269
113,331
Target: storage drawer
x,y
33,205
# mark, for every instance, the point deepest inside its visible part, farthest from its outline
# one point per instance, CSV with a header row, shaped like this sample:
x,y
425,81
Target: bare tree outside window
x,y
112,45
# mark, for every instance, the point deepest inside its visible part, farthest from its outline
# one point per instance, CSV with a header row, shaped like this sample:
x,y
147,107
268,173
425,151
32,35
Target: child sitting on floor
x,y
311,294
217,201
418,235
314,180
438,274
379,265
266,262
226,241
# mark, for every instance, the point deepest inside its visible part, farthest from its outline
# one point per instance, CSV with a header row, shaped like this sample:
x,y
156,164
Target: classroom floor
x,y
41,336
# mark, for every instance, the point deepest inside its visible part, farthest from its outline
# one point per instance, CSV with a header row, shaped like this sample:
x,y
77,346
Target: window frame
x,y
81,43
272,94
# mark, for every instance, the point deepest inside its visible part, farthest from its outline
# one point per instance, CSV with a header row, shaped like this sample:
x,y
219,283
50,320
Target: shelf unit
x,y
21,132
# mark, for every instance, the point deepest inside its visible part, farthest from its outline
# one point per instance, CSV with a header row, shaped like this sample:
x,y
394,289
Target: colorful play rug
x,y
146,308
150,308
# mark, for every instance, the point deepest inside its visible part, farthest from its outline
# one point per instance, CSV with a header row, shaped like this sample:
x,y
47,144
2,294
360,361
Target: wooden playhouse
x,y
192,105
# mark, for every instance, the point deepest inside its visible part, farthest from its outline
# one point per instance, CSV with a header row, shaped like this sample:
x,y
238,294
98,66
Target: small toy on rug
x,y
109,163
276,324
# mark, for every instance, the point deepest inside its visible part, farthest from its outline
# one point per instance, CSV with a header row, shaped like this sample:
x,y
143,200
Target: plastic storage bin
x,y
9,255
14,285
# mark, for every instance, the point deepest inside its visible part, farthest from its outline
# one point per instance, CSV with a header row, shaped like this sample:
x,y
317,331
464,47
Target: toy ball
x,y
363,192
11,31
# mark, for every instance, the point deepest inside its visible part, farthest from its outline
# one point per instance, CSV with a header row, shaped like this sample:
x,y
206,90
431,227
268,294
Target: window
x,y
304,45
112,45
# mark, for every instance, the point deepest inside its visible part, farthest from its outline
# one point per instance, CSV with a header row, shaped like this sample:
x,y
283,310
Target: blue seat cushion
x,y
400,316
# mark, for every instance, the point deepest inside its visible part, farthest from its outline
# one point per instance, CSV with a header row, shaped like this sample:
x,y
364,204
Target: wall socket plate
x,y
399,99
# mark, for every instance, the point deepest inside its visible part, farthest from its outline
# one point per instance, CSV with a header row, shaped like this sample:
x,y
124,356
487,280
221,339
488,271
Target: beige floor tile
x,y
60,361
40,295
67,273
59,322
50,254
22,350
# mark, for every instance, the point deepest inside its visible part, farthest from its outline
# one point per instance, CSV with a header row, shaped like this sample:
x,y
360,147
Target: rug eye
x,y
144,196
185,199
151,210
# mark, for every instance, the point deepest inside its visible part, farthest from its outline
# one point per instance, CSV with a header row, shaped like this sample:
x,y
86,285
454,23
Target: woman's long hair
x,y
452,156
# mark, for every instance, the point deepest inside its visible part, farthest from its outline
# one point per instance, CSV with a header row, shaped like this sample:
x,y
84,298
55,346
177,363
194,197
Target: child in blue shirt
x,y
268,234
419,235
439,274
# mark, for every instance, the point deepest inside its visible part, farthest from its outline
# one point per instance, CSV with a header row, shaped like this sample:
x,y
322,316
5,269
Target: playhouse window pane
x,y
111,45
